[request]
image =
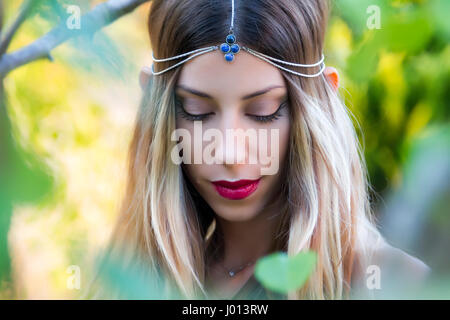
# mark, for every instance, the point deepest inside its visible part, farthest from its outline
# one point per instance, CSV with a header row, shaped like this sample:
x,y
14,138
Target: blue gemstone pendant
x,y
230,47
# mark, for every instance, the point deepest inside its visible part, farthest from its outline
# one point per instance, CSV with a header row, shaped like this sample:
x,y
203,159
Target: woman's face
x,y
247,94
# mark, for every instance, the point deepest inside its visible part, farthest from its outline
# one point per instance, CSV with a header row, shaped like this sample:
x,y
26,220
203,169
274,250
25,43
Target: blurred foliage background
x,y
65,127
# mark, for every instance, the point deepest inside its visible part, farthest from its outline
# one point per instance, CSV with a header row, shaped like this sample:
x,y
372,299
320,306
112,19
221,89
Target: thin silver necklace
x,y
232,272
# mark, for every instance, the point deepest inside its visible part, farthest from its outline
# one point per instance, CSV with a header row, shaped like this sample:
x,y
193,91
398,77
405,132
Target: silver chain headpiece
x,y
230,48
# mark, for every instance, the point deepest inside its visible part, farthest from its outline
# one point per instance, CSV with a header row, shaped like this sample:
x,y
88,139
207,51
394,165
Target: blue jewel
x,y
230,48
235,48
225,48
231,39
229,57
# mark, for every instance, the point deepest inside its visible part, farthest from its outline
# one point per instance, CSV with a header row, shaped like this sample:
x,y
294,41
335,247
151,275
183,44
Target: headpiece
x,y
230,48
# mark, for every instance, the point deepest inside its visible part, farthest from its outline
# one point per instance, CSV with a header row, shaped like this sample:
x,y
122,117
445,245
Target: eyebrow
x,y
246,97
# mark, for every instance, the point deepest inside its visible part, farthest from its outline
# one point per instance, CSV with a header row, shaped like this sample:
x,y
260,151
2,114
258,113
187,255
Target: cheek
x,y
181,123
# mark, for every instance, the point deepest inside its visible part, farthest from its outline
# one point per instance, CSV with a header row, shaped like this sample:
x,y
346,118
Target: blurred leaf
x,y
433,145
134,281
98,53
362,64
426,180
406,32
281,273
23,178
438,14
357,13
55,11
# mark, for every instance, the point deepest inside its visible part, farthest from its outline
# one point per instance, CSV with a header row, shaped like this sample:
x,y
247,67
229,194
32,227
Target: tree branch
x,y
1,17
100,16
23,13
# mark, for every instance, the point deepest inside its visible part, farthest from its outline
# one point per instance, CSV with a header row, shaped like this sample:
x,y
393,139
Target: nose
x,y
234,150
235,147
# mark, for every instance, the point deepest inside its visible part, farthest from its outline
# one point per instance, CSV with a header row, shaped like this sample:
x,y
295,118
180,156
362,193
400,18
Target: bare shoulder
x,y
399,263
390,273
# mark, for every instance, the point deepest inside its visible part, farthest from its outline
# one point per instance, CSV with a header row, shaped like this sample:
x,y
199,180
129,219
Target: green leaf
x,y
362,64
281,273
134,281
407,32
438,14
357,13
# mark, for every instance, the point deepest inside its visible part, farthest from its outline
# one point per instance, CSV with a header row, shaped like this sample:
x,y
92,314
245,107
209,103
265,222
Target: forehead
x,y
211,73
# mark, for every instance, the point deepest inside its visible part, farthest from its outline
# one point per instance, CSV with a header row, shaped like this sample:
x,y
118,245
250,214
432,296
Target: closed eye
x,y
189,116
200,117
193,117
271,117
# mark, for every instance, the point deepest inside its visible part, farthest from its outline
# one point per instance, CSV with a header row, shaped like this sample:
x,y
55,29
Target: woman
x,y
205,224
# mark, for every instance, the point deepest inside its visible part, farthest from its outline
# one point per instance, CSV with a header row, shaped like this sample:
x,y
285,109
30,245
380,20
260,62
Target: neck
x,y
246,241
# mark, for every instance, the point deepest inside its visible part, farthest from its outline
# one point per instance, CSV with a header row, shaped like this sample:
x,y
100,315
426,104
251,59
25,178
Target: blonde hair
x,y
327,210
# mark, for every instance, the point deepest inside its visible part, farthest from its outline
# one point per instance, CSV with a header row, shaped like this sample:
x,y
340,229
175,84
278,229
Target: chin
x,y
236,213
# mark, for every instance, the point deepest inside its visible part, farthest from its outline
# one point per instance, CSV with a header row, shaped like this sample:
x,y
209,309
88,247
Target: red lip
x,y
236,190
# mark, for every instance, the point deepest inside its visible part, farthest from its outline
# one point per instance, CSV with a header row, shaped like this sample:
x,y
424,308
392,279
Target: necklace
x,y
232,272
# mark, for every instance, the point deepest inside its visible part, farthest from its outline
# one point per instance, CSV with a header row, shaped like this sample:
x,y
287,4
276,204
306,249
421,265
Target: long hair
x,y
327,208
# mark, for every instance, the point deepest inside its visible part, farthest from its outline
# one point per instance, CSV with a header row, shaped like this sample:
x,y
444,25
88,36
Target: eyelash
x,y
271,117
200,117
